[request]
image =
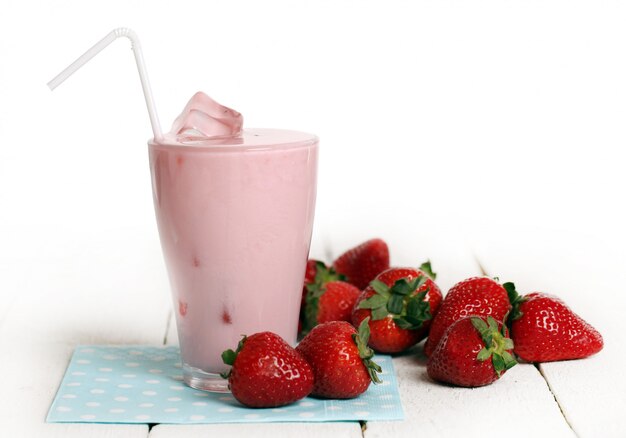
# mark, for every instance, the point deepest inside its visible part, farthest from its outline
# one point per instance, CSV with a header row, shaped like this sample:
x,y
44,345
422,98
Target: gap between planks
x,y
363,424
168,322
556,400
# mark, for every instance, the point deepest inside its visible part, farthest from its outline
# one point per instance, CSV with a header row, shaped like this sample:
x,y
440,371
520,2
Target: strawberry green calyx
x,y
229,356
409,311
496,344
427,269
516,301
361,338
315,290
325,274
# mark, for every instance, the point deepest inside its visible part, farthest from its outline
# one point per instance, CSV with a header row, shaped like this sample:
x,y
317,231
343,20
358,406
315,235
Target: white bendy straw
x,y
143,75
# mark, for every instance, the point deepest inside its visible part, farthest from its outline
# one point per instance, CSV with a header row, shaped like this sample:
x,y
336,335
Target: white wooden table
x,y
110,288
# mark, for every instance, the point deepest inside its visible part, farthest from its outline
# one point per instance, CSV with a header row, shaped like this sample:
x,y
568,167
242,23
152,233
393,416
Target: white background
x,y
435,117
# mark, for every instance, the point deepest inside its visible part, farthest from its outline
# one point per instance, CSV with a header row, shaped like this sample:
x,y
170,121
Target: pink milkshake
x,y
235,214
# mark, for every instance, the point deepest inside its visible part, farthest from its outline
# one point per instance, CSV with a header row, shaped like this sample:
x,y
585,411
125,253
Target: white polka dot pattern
x,y
143,384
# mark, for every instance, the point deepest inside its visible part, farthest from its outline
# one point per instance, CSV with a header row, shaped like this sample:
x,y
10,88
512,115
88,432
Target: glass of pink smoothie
x,y
235,213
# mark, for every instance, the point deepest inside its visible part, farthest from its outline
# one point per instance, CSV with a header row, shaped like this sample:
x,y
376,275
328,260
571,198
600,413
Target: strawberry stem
x,y
366,354
516,301
408,311
496,344
427,269
229,356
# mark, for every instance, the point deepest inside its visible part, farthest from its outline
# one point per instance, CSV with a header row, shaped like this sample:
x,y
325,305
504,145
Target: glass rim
x,y
255,139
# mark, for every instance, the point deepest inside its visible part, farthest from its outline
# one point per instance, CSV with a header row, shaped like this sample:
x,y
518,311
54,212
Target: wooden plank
x,y
519,403
595,403
104,289
260,430
75,430
587,273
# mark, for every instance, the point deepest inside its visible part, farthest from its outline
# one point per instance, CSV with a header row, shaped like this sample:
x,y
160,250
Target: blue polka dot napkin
x,y
143,384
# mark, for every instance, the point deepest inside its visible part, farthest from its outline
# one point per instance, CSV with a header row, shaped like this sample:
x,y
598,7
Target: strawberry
x,y
363,263
474,351
474,296
545,329
401,303
267,372
311,270
310,273
327,298
341,360
182,308
333,301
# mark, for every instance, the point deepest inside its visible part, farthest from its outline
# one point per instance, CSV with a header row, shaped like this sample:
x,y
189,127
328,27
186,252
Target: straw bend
x,y
143,75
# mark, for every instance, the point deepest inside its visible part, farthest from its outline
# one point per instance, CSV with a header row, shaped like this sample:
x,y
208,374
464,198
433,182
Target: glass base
x,y
198,379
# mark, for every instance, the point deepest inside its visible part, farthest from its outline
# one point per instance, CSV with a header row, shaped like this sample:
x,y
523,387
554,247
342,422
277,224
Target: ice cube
x,y
205,118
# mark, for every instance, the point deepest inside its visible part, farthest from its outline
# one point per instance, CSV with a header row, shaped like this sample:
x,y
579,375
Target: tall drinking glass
x,y
235,216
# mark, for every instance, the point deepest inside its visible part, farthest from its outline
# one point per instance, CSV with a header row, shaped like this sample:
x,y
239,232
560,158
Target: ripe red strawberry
x,y
341,360
401,303
474,351
332,301
267,372
363,263
545,329
326,298
474,296
312,267
311,270
310,274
